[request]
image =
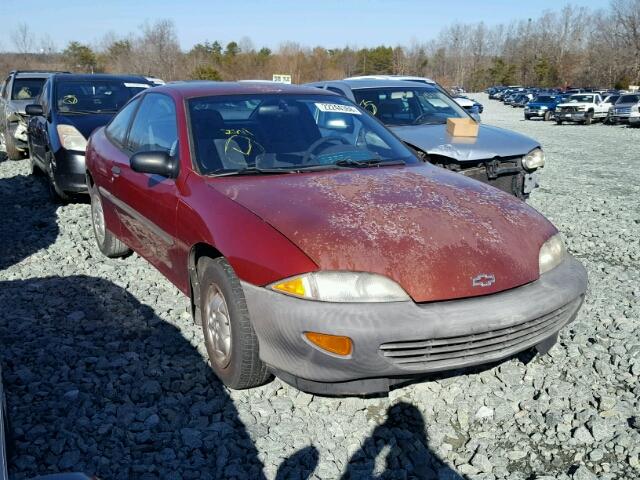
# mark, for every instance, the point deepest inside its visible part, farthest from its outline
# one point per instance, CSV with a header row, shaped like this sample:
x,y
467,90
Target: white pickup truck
x,y
582,108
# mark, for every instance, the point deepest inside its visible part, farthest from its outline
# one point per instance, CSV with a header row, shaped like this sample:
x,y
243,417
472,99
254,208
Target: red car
x,y
315,246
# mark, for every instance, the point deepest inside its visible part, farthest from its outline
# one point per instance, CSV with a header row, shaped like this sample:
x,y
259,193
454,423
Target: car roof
x,y
100,76
373,83
33,74
198,88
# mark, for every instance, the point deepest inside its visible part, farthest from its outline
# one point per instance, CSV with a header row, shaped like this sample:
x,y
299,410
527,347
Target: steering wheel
x,y
309,153
420,117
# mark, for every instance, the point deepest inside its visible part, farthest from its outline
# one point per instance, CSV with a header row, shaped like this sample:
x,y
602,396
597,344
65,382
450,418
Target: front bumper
x,y
634,119
571,116
70,171
536,112
395,342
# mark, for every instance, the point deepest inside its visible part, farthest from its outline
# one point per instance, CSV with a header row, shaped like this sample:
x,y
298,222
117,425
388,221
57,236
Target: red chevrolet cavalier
x,y
315,246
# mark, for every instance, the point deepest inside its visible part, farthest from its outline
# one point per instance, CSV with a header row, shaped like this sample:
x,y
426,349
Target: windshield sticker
x,y
337,108
136,85
369,106
69,99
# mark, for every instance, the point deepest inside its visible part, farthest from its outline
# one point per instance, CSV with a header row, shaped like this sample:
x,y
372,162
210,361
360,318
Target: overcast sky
x,y
329,23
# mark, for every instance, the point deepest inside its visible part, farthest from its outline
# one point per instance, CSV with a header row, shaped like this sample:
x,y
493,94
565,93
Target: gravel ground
x,y
106,374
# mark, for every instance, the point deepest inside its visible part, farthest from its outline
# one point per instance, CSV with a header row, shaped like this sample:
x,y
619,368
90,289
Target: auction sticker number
x,y
337,108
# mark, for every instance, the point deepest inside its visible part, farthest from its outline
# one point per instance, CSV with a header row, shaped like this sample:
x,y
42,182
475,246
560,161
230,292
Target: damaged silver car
x,y
19,89
418,113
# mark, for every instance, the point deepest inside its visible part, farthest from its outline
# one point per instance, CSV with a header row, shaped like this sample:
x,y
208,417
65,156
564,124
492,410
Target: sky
x,y
330,23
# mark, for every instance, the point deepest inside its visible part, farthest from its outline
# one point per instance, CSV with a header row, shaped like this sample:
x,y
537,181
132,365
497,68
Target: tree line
x,y
574,46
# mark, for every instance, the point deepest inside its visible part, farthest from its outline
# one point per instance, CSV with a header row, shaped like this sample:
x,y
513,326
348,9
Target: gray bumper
x,y
397,340
571,116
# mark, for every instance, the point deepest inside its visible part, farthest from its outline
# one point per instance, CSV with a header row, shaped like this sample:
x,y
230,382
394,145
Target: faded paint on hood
x,y
430,230
491,142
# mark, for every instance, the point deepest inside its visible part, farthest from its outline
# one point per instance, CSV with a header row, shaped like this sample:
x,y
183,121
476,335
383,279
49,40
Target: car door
x,y
146,204
37,129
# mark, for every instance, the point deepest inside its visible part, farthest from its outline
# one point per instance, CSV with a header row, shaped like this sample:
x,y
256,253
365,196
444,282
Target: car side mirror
x,y
154,163
34,110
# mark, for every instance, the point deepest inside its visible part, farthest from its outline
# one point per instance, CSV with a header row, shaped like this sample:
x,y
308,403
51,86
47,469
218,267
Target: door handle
x,y
115,170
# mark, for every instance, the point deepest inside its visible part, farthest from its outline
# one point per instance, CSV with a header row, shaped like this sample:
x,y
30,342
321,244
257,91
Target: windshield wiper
x,y
250,171
373,162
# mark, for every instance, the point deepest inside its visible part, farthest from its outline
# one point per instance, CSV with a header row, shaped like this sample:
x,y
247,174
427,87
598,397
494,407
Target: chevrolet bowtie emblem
x,y
483,280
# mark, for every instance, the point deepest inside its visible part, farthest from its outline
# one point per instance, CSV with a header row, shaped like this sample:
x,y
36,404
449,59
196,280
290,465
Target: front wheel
x,y
559,122
56,194
547,116
108,244
9,148
588,119
231,342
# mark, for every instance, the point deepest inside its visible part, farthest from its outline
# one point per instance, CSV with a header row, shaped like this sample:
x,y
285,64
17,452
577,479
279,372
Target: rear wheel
x,y
231,342
108,244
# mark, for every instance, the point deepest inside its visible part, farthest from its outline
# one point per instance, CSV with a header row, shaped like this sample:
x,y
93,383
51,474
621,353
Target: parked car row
x,y
573,105
292,216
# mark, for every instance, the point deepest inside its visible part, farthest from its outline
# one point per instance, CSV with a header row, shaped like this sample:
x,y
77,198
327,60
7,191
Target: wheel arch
x,y
196,252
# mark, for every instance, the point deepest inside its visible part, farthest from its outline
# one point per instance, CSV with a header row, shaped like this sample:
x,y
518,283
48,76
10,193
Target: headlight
x,y
552,253
543,107
329,286
534,159
71,138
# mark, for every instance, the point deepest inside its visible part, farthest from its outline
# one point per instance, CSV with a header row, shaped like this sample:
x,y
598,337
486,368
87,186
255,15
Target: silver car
x,y
18,90
623,107
417,113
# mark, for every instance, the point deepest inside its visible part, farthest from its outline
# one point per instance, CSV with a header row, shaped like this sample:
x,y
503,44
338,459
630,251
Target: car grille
x,y
568,109
623,110
447,352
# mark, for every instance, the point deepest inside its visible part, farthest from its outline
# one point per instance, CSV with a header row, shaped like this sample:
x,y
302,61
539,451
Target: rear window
x,y
26,88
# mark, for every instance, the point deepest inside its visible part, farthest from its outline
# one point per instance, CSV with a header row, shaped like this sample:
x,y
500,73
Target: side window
x,y
5,88
336,90
117,129
44,98
155,126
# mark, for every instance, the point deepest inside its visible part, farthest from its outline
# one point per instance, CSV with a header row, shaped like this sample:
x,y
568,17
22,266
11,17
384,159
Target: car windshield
x,y
580,99
409,106
629,99
274,133
94,96
544,99
26,88
612,98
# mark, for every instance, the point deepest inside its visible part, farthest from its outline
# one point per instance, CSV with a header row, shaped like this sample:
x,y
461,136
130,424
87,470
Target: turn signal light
x,y
293,286
331,343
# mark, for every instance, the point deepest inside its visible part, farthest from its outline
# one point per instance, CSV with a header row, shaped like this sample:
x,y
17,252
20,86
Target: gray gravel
x,y
106,374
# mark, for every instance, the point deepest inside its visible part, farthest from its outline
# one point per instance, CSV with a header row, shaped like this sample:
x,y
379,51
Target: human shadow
x,y
27,219
97,383
404,438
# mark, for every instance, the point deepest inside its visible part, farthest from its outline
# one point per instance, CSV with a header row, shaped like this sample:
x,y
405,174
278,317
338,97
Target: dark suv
x,y
19,89
70,107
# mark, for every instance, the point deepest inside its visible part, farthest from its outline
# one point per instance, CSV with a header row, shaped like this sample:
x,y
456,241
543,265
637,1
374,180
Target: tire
x,y
527,117
559,122
231,341
108,244
547,116
56,194
588,118
12,152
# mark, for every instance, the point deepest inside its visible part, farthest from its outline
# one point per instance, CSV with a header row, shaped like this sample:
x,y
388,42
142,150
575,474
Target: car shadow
x,y
98,383
403,439
27,219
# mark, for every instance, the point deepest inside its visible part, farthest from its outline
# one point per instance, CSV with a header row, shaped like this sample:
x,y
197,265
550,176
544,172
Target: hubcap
x,y
97,216
218,326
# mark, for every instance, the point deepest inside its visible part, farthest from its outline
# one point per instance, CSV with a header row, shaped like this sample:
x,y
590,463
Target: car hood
x,y
575,104
491,142
464,102
625,105
85,124
430,230
541,104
